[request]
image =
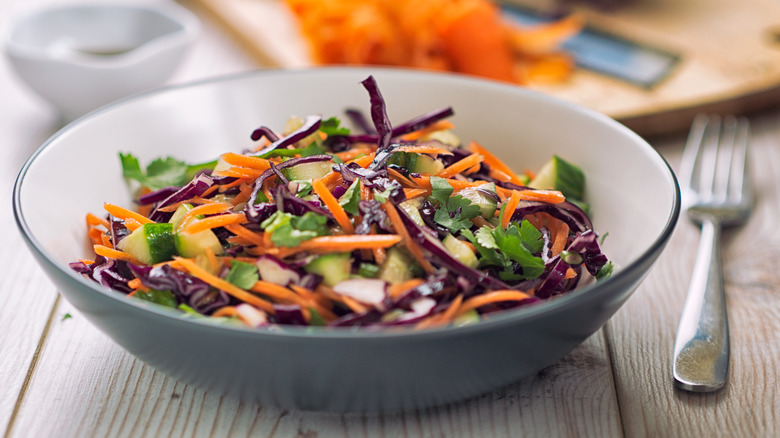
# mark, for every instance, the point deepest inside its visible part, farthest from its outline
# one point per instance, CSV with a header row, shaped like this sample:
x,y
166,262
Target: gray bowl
x,y
634,197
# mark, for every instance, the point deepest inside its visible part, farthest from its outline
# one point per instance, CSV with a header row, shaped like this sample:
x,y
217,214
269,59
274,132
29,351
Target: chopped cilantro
x,y
242,274
349,200
332,126
288,230
162,172
454,212
505,248
66,316
162,297
605,271
313,148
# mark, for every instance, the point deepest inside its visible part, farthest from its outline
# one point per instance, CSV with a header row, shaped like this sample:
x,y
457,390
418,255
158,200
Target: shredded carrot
x,y
410,244
235,291
123,213
491,297
398,289
509,208
136,284
414,193
227,311
204,209
105,239
365,160
245,233
354,153
277,292
549,196
246,161
93,220
461,165
240,172
132,224
444,317
333,205
214,222
398,176
494,162
112,253
342,243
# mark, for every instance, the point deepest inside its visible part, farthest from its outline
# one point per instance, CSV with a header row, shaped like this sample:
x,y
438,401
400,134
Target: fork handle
x,y
701,350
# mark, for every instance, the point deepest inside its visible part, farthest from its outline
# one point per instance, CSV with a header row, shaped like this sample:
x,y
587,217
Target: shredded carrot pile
x,y
466,36
415,232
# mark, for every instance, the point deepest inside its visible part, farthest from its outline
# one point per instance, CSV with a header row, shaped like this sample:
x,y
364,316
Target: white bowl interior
x,y
630,187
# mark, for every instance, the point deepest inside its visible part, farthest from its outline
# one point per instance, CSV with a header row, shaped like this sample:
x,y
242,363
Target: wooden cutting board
x,y
728,55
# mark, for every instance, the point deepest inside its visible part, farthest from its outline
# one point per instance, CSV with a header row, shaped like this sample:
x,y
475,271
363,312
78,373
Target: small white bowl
x,y
79,57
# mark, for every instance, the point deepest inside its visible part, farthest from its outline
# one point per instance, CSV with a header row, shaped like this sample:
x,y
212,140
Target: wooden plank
x,y
729,57
85,385
642,333
27,296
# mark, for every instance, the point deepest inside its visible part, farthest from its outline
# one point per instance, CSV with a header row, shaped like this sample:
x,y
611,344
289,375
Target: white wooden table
x,y
59,376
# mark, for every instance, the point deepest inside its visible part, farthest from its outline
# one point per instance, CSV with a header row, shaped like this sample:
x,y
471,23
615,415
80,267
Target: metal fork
x,y
718,194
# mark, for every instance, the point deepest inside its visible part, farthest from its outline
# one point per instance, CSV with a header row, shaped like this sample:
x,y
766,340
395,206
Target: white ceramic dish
x,y
79,57
633,192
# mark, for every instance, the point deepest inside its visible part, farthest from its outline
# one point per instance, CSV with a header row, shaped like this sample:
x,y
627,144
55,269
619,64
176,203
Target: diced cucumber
x,y
470,317
334,268
461,251
398,267
193,245
423,164
412,208
444,136
308,171
487,204
178,215
294,123
559,174
150,243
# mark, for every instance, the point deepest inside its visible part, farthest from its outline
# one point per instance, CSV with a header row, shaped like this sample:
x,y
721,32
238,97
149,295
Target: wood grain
x,y
642,334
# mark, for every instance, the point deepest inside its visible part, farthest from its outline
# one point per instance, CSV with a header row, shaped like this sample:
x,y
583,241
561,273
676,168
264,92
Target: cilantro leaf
x,y
507,248
313,148
288,230
162,297
162,172
242,274
332,126
349,200
440,189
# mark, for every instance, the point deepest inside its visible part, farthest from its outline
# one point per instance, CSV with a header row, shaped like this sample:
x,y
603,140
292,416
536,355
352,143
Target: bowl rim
x,y
496,321
189,29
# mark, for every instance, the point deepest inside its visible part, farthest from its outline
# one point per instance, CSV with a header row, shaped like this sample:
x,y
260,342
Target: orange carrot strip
x,y
132,224
410,244
93,221
510,207
414,193
224,285
398,176
461,165
364,161
333,205
240,172
246,161
423,149
494,162
354,153
549,196
203,210
278,292
112,253
123,213
136,284
227,311
105,239
245,233
491,297
214,222
398,289
343,243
